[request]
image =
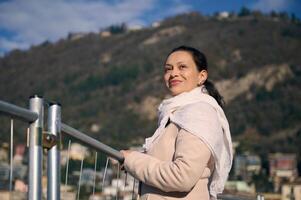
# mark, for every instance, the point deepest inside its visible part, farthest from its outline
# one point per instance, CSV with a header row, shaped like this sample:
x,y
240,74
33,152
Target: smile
x,y
174,83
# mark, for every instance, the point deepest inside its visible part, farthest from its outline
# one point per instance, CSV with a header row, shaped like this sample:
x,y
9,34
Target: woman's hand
x,y
125,153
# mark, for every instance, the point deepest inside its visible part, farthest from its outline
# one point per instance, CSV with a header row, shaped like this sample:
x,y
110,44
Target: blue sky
x,y
30,22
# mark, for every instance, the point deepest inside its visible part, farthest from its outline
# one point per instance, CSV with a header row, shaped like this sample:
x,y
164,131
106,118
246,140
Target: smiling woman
x,y
190,154
181,73
187,65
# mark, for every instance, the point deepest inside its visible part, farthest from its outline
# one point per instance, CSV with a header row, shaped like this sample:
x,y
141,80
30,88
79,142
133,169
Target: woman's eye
x,y
167,69
182,66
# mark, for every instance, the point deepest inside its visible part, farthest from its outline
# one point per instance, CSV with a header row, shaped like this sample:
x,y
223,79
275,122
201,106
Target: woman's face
x,y
181,73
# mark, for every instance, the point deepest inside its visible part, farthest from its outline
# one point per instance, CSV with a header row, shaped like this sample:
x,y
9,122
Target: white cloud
x,y
11,44
269,5
35,21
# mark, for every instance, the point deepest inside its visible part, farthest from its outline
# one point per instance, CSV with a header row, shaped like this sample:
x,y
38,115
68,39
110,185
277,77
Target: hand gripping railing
x,y
50,140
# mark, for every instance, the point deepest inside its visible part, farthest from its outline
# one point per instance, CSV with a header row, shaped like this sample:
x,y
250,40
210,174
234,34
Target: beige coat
x,y
176,167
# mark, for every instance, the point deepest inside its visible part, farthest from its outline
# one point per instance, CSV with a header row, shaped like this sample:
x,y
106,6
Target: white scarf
x,y
220,145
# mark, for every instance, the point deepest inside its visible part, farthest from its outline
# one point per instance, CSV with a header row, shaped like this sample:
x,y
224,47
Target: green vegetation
x,y
94,91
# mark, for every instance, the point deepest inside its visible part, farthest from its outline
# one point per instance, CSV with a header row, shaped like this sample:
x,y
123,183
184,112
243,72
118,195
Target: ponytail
x,y
214,93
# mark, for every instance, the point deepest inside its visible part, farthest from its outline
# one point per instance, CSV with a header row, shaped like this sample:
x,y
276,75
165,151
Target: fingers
x,y
113,161
126,152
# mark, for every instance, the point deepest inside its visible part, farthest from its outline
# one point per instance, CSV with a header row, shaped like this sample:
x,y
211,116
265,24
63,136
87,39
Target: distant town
x,y
248,176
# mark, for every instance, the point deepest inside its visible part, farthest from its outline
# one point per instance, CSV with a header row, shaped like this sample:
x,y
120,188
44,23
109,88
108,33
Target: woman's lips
x,y
174,83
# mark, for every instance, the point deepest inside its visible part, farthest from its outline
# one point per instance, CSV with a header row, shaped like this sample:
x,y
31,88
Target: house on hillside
x,y
4,152
246,165
76,36
78,151
4,175
223,15
283,169
104,34
156,24
135,27
233,187
291,191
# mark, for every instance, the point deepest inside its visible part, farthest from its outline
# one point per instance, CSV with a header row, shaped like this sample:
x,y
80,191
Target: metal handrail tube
x,y
18,112
53,157
89,141
36,104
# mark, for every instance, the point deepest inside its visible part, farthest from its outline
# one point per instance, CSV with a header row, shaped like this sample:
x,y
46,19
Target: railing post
x,y
53,167
35,149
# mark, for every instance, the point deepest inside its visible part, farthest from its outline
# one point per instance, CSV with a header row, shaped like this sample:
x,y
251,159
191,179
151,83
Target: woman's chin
x,y
175,91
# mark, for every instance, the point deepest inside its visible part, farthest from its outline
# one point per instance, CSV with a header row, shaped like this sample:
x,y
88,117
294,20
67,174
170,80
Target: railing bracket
x,y
49,140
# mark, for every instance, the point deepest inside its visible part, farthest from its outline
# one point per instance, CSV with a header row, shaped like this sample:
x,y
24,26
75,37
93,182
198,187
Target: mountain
x,y
109,85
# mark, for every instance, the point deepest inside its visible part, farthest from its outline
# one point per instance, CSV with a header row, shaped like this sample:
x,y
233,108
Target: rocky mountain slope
x,y
110,86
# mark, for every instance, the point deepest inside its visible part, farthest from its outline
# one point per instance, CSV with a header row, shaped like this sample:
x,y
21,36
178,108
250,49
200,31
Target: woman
x,y
190,154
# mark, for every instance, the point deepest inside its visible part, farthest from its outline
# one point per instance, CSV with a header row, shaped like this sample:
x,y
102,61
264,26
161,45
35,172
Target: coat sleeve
x,y
190,159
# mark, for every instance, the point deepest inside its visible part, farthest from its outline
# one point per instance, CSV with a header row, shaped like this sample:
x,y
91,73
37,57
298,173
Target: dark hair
x,y
201,62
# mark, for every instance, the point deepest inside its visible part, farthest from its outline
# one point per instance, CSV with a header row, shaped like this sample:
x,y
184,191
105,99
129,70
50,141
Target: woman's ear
x,y
203,75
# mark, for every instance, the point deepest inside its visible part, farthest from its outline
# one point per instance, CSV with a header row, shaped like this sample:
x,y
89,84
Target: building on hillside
x,y
78,151
271,196
4,176
19,154
235,145
20,171
246,165
68,195
135,27
20,186
4,152
67,192
7,195
105,34
76,36
233,187
223,15
89,176
283,169
291,191
156,24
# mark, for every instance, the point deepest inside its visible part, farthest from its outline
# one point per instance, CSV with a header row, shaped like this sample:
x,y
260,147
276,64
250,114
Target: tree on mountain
x,y
244,12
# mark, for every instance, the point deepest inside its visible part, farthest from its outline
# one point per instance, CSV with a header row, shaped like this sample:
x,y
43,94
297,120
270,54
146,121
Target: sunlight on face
x,y
181,73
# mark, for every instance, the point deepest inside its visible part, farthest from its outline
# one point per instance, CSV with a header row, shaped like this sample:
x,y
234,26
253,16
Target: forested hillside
x,y
110,86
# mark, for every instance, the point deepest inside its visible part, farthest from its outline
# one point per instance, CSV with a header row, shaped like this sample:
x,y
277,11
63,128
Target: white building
x,y
223,15
78,152
291,191
135,27
105,34
156,24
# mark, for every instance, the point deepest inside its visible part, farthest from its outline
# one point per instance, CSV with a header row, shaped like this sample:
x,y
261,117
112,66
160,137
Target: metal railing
x,y
39,139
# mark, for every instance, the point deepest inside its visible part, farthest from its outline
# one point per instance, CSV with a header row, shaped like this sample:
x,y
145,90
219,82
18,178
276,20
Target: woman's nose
x,y
174,72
